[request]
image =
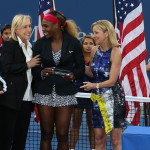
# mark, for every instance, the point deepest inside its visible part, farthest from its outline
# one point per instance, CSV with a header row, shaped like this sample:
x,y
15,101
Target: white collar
x,y
21,43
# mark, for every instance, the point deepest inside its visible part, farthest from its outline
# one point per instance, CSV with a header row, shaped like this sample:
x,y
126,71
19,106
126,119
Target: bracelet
x,y
97,85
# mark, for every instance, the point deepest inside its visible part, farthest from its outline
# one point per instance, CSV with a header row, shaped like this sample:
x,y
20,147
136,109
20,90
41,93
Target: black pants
x,y
14,126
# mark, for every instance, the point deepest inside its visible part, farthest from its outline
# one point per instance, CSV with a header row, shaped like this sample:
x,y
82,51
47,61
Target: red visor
x,y
51,18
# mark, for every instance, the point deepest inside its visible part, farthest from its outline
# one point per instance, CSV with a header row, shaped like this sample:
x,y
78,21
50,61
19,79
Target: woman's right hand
x,y
88,71
47,71
1,92
35,61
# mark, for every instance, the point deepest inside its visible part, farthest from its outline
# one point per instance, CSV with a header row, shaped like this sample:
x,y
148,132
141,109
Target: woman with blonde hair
x,y
107,94
62,62
16,103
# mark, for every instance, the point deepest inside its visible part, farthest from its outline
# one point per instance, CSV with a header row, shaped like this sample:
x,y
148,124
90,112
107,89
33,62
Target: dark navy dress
x,y
83,103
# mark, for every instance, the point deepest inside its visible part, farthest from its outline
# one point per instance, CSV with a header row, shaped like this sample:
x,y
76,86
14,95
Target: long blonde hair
x,y
106,26
18,21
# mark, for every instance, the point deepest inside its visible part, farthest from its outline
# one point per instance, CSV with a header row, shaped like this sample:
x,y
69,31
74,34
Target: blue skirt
x,y
84,103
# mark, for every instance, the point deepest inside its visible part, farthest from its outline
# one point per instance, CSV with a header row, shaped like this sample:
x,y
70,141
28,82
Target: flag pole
x,y
53,5
145,114
114,20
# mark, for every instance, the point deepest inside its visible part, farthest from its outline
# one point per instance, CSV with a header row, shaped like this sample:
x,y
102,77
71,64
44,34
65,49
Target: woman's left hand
x,y
88,86
70,77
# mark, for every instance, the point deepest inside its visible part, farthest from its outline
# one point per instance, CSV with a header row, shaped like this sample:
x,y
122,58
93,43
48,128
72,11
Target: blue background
x,y
83,12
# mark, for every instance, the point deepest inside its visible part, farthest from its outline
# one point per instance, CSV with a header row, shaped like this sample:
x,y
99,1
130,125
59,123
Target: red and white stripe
x,y
40,32
133,74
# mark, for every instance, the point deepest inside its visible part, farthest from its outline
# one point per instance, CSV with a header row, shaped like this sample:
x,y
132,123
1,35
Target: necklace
x,y
103,50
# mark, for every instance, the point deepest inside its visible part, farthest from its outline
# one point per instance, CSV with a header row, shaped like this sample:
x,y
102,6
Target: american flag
x,y
130,32
44,7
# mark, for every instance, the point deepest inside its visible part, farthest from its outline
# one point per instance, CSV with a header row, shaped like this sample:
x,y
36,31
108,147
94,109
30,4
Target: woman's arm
x,y
79,67
115,68
37,71
40,71
7,58
88,71
148,67
114,72
9,65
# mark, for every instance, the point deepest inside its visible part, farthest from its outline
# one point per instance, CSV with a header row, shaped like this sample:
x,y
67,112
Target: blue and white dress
x,y
109,103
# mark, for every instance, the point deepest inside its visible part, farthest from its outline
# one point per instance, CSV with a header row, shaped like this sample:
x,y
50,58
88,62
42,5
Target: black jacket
x,y
71,59
14,68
